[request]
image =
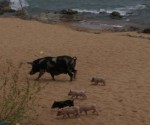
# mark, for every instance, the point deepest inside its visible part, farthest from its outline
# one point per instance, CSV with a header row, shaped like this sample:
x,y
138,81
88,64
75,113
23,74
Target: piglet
x,y
88,107
76,93
98,80
66,111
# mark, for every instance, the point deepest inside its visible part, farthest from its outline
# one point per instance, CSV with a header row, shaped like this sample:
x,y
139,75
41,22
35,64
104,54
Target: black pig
x,y
62,104
54,66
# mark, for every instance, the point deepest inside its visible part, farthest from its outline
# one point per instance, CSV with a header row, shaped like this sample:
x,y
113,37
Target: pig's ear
x,y
30,63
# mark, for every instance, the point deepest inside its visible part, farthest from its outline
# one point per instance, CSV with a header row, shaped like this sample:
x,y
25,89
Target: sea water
x,y
135,12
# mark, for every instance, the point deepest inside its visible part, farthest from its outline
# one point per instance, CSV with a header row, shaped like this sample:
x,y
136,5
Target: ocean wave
x,y
98,25
87,11
17,4
123,11
113,26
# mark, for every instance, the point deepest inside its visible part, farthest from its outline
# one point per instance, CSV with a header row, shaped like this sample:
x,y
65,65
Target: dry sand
x,y
121,60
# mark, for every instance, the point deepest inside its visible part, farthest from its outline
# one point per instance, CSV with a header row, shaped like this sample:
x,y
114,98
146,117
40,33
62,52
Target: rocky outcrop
x,y
70,15
5,10
47,17
5,7
61,16
4,4
147,30
67,18
68,12
116,15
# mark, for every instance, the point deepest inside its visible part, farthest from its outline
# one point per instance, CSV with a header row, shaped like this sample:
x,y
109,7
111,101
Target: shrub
x,y
16,98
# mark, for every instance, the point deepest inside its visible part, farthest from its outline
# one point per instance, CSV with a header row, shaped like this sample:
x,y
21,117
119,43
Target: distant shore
x,y
97,17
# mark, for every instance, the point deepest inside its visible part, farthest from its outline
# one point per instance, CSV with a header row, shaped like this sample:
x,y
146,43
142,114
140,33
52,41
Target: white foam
x,y
107,25
139,7
99,25
86,11
123,11
16,5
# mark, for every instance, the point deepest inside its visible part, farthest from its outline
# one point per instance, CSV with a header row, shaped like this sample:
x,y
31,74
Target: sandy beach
x,y
123,61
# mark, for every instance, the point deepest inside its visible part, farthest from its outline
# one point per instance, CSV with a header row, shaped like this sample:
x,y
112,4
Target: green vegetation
x,y
16,98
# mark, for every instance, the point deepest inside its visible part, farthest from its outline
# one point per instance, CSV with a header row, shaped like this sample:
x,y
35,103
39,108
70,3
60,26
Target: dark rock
x,y
67,18
132,28
20,13
6,10
56,17
5,7
70,15
147,30
68,12
115,15
4,3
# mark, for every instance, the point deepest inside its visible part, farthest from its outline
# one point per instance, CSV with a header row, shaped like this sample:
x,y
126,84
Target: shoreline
x,y
75,22
80,23
77,26
116,20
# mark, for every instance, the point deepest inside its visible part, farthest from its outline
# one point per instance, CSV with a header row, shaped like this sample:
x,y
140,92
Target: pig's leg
x,y
40,74
52,76
85,112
